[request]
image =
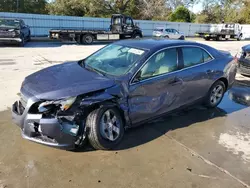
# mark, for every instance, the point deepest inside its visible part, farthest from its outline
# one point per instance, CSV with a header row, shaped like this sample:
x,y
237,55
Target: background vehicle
x,y
244,61
168,33
121,27
120,86
223,31
240,92
14,31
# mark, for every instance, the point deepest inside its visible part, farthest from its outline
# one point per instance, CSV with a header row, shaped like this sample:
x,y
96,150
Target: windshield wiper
x,y
94,70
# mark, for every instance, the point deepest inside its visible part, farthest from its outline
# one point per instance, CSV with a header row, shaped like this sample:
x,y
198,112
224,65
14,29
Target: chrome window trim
x,y
169,73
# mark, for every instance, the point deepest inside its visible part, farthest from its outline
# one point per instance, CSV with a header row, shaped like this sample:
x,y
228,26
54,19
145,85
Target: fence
x,y
41,24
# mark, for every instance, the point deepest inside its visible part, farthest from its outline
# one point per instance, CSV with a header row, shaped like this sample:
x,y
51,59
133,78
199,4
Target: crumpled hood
x,y
62,81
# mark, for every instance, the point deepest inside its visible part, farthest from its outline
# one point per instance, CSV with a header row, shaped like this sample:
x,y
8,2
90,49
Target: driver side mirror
x,y
137,77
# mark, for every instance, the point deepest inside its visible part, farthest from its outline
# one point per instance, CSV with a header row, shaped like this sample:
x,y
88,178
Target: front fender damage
x,y
111,97
75,116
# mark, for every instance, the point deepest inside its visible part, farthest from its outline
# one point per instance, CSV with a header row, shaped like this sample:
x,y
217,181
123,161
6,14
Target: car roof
x,y
154,44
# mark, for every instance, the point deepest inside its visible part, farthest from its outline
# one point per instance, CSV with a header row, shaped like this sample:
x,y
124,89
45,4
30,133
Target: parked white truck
x,y
223,32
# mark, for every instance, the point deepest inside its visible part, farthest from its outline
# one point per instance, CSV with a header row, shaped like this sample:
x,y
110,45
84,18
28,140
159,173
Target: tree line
x,y
213,11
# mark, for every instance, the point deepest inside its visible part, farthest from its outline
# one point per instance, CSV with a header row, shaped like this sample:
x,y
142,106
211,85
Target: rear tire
x,y
87,39
166,37
182,38
105,133
219,38
215,94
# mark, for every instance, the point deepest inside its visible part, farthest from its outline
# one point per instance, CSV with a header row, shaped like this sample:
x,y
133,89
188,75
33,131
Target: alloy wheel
x,y
110,126
216,95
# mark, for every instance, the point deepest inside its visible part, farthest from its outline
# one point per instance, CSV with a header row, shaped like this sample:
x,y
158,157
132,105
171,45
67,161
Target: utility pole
x,y
17,5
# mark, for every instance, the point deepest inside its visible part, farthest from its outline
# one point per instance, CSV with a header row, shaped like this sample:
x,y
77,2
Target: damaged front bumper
x,y
50,131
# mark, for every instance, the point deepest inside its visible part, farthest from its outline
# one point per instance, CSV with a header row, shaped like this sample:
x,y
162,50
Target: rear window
x,y
194,56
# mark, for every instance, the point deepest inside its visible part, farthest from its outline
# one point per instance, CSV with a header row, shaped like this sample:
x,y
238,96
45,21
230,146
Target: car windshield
x,y
9,23
113,59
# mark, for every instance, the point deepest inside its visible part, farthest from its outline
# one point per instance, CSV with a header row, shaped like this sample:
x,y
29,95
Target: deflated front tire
x,y
105,128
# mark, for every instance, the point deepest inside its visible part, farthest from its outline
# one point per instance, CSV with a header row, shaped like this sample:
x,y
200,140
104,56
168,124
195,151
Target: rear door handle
x,y
175,81
210,71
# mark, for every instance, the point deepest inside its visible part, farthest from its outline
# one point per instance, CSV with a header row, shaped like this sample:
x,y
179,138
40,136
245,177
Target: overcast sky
x,y
197,8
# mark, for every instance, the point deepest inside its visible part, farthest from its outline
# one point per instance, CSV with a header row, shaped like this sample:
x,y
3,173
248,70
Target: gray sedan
x,y
122,85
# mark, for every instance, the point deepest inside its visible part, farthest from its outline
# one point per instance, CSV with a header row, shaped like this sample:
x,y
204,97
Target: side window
x,y
206,56
129,21
22,24
162,62
117,20
167,30
175,31
194,56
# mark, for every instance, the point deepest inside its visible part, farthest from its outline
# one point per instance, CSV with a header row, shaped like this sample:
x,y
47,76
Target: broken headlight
x,y
64,104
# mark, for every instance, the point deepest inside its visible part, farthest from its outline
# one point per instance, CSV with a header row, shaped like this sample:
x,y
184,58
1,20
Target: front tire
x,y
215,94
22,43
239,38
105,128
137,36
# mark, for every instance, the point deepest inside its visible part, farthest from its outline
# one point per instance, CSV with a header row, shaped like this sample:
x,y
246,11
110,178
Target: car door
x,y
176,34
156,87
195,73
129,26
169,33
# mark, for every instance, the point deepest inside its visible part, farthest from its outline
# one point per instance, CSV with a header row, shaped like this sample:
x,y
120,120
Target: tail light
x,y
237,56
236,59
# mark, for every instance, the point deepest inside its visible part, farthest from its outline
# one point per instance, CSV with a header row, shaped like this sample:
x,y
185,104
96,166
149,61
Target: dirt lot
x,y
194,148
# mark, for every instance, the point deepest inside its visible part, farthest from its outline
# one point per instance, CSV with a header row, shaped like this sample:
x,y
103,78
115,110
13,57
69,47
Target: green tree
x,y
173,4
181,14
97,8
23,6
67,7
216,11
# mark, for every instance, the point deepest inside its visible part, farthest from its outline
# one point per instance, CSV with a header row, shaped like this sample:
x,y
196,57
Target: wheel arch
x,y
92,104
224,80
137,32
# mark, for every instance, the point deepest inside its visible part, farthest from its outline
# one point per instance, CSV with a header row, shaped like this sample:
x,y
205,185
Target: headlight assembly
x,y
64,104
